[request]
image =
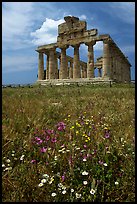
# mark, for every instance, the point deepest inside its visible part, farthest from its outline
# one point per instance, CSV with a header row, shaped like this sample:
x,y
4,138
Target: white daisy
x,y
85,182
72,190
43,181
84,173
40,184
63,192
53,194
92,191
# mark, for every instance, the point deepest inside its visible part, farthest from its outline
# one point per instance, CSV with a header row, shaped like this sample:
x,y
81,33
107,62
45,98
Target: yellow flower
x,y
72,127
68,116
105,128
86,140
77,124
77,132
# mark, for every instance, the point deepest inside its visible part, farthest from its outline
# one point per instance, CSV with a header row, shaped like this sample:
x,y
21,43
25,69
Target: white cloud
x,y
47,33
18,63
16,21
82,17
98,45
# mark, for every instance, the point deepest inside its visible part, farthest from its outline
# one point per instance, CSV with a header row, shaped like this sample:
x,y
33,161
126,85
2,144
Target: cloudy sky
x,y
26,25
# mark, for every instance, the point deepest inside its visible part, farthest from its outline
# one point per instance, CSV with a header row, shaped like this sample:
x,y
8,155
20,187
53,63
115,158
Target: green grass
x,y
98,129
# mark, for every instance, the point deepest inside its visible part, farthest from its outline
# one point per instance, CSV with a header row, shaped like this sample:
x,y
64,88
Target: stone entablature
x,y
114,64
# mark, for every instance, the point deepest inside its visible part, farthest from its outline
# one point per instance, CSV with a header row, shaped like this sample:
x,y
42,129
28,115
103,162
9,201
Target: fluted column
x,y
76,64
47,67
106,60
99,72
56,66
41,67
90,63
63,64
82,70
111,62
70,69
85,70
51,64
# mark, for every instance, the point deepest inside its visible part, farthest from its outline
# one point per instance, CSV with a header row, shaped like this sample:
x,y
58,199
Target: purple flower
x,y
33,161
54,140
50,131
62,178
43,149
38,140
107,135
85,146
48,138
61,126
100,162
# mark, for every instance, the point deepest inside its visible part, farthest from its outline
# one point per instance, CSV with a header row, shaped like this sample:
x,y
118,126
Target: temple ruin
x,y
113,65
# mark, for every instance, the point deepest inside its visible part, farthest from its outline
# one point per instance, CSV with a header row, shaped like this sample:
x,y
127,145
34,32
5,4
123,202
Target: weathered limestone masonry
x,y
113,65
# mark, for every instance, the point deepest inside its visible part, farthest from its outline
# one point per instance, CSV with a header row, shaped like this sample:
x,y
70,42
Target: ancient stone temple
x,y
113,65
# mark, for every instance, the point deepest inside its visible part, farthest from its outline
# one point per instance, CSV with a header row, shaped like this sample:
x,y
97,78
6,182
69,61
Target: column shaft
x,y
106,62
76,64
90,63
51,64
63,66
99,72
47,67
41,67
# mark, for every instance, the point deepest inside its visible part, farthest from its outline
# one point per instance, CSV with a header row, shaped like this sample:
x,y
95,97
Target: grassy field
x,y
68,144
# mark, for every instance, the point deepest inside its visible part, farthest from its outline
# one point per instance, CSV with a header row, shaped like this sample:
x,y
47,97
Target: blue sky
x,y
26,25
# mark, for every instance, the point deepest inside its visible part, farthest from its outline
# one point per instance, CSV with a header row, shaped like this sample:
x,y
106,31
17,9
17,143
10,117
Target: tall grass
x,y
68,144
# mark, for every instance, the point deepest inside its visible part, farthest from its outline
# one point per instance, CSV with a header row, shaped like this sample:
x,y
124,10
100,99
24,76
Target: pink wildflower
x,y
54,140
61,126
43,149
33,161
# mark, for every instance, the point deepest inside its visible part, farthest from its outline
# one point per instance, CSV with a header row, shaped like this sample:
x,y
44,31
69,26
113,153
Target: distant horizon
x,y
25,26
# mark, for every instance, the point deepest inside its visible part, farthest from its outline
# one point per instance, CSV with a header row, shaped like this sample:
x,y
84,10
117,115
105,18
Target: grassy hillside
x,y
68,143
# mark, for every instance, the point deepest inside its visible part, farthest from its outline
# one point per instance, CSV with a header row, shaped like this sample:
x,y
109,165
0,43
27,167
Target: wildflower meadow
x,y
68,144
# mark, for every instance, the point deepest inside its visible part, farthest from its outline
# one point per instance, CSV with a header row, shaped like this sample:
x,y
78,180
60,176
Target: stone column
x,y
47,67
56,66
90,63
41,67
59,66
82,70
85,70
99,72
106,60
63,65
71,69
51,63
76,64
111,62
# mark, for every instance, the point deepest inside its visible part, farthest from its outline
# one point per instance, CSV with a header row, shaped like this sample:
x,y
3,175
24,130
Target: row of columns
x,y
75,72
114,65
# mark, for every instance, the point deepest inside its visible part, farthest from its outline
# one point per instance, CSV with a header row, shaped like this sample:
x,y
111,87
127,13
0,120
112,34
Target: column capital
x,y
93,42
76,45
64,47
107,41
